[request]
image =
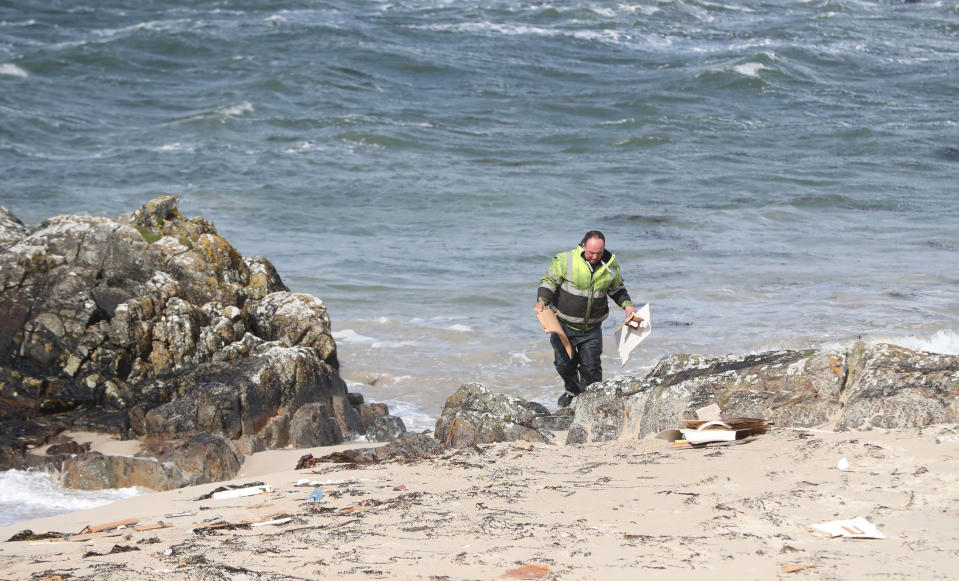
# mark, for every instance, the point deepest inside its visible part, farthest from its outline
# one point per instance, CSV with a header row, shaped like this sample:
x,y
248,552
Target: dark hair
x,y
592,234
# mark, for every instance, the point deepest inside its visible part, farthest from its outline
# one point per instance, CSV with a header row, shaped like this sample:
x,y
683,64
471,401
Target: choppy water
x,y
770,174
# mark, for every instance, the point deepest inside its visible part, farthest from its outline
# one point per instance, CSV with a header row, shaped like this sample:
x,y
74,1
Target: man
x,y
576,286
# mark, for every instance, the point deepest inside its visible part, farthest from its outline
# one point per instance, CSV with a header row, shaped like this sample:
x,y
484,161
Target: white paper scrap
x,y
857,528
628,338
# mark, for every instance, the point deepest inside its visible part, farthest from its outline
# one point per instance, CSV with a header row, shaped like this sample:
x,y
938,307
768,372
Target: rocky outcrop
x,y
893,387
380,425
11,228
200,459
153,325
879,386
475,415
406,448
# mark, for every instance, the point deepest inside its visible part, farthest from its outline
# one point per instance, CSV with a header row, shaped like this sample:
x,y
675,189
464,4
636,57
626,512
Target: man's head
x,y
594,243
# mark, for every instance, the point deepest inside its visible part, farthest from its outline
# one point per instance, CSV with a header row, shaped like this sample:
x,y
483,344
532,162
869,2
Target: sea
x,y
770,174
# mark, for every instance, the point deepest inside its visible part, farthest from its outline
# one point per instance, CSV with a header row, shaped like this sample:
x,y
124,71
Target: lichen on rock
x,y
864,387
154,325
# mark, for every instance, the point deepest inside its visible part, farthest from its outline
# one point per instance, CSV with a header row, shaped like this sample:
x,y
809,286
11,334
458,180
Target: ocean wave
x,y
412,415
221,114
825,201
34,494
236,110
511,29
750,69
12,70
372,140
945,341
18,23
165,26
300,147
349,336
644,141
175,147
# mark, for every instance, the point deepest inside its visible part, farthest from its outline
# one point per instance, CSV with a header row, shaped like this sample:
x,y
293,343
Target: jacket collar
x,y
604,262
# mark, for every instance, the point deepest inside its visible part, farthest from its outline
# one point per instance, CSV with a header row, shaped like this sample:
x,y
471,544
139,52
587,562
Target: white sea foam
x,y
24,23
945,341
223,113
300,147
602,11
413,417
628,121
175,147
352,337
461,328
33,494
172,25
237,110
12,70
749,69
609,36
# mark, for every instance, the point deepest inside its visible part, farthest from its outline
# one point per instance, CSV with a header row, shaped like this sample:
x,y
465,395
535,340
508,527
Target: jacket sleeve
x,y
617,289
549,284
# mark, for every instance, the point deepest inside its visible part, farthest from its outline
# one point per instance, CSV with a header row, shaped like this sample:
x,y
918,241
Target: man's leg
x,y
589,349
566,366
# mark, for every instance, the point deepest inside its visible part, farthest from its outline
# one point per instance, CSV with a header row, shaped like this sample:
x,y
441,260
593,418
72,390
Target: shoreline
x,y
593,511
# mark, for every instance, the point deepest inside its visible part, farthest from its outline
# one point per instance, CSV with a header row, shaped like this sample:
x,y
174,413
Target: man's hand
x,y
630,309
539,308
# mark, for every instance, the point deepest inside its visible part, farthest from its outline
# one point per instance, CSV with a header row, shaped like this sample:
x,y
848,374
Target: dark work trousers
x,y
584,367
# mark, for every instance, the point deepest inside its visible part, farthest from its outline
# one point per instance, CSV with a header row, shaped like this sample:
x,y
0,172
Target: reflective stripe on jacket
x,y
578,292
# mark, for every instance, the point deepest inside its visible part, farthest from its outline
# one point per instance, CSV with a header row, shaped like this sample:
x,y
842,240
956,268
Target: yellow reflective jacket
x,y
579,292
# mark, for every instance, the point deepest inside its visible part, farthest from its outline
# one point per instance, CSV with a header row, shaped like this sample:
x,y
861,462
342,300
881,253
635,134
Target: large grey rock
x,y
379,424
385,429
894,387
880,386
312,426
475,415
294,320
798,388
242,396
202,458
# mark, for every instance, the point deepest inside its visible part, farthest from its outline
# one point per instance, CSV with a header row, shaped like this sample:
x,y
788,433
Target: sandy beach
x,y
615,510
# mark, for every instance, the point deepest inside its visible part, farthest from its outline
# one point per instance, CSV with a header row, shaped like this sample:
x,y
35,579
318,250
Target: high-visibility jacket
x,y
579,292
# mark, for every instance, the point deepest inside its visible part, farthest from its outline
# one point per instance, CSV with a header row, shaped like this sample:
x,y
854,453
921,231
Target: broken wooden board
x,y
755,424
547,318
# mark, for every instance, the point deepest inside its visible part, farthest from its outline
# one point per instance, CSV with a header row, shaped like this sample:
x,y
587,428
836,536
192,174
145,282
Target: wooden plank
x,y
159,525
110,525
792,568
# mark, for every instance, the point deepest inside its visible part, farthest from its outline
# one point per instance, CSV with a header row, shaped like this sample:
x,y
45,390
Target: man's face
x,y
593,250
